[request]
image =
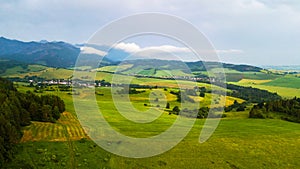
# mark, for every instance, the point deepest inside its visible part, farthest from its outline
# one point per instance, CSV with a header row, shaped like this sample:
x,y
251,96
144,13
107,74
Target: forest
x,y
288,110
18,110
250,94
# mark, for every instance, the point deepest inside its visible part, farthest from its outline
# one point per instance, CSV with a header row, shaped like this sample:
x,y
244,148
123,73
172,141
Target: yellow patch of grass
x,y
230,100
253,82
66,128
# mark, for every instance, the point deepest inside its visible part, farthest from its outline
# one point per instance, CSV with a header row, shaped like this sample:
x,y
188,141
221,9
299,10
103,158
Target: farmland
x,y
285,88
235,144
238,142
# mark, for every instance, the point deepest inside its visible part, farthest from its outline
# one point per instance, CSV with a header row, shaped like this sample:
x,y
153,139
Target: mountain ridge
x,y
62,54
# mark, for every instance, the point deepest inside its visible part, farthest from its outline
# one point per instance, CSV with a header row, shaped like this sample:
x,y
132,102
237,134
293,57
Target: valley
x,y
239,141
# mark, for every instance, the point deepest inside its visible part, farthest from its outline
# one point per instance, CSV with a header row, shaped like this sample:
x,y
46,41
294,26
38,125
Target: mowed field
x,y
66,128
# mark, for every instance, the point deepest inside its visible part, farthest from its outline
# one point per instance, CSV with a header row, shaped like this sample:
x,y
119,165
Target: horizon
x,y
225,62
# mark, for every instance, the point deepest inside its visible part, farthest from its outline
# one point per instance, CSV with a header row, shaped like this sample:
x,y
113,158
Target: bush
x,y
176,110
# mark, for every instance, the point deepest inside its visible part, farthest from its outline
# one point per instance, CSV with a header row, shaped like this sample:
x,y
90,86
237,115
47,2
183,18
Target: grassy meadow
x,y
238,142
287,88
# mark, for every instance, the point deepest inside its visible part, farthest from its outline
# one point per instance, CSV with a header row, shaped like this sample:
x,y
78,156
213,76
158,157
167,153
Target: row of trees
x,y
201,113
17,110
250,94
285,109
236,106
183,96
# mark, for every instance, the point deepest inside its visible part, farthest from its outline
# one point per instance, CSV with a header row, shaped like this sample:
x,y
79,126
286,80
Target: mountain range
x,y
64,55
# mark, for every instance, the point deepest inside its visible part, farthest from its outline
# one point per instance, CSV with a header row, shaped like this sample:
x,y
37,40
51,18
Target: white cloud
x,y
133,48
266,29
167,52
168,48
230,51
90,50
128,47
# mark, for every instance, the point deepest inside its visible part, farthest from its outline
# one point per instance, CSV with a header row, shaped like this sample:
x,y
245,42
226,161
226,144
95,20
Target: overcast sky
x,y
259,32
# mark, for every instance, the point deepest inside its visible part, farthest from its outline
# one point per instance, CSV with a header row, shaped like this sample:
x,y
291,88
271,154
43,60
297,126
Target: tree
x,y
240,108
176,110
168,105
235,102
46,113
25,117
18,109
203,112
56,113
34,111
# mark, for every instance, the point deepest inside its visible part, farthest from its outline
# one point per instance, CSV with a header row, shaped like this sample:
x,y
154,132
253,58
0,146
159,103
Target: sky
x,y
257,32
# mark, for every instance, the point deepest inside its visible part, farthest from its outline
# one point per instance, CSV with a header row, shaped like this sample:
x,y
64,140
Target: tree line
x,y
18,110
286,109
252,95
201,113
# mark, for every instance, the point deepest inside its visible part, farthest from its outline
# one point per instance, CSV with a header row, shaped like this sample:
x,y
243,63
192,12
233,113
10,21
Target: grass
x,y
21,70
285,81
43,72
173,72
238,142
118,68
285,92
282,91
235,77
246,143
252,82
66,128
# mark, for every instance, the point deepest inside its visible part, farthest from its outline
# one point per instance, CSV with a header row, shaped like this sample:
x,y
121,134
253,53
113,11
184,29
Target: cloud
x,y
134,48
167,52
230,51
266,29
90,50
128,47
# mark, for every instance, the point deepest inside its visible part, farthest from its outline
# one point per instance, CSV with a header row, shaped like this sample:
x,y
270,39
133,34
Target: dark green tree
x,y
176,110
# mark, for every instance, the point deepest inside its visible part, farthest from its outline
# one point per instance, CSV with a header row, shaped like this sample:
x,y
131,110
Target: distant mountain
x,y
166,68
284,68
202,66
54,54
61,54
113,54
187,66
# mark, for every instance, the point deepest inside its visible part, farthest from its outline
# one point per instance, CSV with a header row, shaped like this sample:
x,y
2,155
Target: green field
x,y
238,142
286,81
20,70
286,92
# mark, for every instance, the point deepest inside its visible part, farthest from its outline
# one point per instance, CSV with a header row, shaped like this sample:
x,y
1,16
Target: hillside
x,y
18,110
55,54
62,54
168,68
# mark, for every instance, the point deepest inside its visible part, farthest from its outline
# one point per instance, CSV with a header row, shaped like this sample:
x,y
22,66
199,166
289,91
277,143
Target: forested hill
x,y
54,54
64,55
203,66
17,110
